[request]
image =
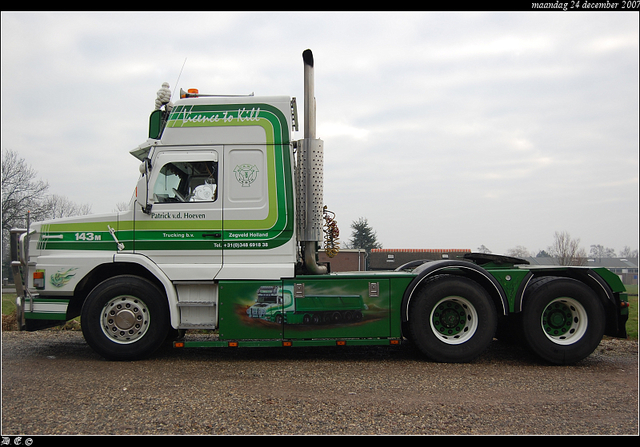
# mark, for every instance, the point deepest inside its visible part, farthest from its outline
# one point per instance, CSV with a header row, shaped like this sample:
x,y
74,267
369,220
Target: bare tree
x,y
519,252
600,251
483,249
567,250
626,252
60,206
121,206
21,191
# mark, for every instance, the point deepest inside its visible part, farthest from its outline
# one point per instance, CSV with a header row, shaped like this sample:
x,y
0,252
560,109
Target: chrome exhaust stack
x,y
309,176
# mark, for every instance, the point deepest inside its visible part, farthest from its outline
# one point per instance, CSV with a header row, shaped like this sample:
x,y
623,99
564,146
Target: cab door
x,y
182,233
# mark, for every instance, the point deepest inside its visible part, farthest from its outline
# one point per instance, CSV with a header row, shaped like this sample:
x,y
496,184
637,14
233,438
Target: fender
x,y
517,305
584,275
467,268
152,267
604,290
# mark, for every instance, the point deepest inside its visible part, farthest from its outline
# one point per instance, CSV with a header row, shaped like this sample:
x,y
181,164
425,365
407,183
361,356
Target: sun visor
x,y
142,151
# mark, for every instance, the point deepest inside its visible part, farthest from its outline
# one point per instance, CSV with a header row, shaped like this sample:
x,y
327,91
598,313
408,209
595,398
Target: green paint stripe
x,y
45,316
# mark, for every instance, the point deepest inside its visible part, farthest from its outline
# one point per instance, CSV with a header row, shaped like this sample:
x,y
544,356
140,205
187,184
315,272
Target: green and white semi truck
x,y
225,223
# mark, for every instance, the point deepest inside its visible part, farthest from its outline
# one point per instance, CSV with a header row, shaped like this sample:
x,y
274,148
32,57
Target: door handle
x,y
214,235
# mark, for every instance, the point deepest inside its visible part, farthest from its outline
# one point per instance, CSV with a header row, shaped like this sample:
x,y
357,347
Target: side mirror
x,y
142,188
156,124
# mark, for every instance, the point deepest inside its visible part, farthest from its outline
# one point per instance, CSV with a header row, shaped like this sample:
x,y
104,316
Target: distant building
x,y
347,260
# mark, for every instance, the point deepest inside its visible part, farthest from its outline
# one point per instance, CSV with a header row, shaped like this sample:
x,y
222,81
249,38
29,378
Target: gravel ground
x,y
52,383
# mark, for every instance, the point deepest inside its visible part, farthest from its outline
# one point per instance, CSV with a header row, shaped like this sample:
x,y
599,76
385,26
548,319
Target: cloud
x,y
445,130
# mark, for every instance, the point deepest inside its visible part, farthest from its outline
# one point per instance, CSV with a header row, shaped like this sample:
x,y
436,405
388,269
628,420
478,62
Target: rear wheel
x,y
562,320
452,319
125,318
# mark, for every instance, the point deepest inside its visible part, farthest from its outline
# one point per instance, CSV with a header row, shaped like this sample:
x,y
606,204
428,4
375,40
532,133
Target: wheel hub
x,y
557,319
454,320
449,317
125,319
564,321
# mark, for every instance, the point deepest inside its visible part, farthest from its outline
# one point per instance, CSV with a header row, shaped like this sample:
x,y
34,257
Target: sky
x,y
445,130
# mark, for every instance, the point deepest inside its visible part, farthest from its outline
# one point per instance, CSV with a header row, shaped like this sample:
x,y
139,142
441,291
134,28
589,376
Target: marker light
x,y
38,279
192,92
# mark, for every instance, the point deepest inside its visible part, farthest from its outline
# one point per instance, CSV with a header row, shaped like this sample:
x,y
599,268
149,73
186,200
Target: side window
x,y
185,181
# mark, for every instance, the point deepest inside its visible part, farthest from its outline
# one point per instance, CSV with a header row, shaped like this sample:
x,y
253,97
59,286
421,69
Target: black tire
x,y
452,319
563,320
125,318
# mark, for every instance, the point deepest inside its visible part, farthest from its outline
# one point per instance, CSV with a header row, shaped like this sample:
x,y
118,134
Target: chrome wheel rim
x,y
454,320
125,319
564,321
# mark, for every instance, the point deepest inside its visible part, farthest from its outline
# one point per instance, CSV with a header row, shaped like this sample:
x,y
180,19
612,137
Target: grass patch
x,y
8,303
9,316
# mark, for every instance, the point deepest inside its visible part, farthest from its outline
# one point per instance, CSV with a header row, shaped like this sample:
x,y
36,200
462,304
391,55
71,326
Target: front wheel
x,y
562,320
125,318
452,319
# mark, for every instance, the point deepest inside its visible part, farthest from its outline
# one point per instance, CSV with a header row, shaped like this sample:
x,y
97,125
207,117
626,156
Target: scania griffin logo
x,y
246,174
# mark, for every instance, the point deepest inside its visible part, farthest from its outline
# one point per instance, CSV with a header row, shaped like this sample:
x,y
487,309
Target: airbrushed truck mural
x,y
282,306
307,308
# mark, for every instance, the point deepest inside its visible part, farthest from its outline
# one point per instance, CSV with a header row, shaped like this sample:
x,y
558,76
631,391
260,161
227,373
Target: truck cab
x,y
214,201
215,197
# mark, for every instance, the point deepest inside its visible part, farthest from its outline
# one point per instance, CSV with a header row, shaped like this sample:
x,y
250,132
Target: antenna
x,y
180,74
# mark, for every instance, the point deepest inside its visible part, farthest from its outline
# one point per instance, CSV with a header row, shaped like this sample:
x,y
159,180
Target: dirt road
x,y
52,383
